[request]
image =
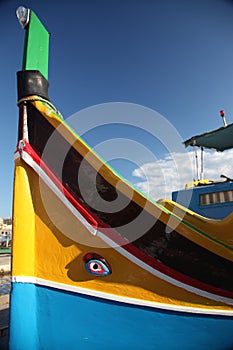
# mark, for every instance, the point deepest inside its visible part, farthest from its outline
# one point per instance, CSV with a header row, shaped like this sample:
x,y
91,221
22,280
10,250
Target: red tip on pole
x,y
222,113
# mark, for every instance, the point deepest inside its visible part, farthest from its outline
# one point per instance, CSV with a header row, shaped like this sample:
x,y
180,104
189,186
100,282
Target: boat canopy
x,y
219,139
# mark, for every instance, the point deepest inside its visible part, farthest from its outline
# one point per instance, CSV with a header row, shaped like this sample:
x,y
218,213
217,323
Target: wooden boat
x,y
86,276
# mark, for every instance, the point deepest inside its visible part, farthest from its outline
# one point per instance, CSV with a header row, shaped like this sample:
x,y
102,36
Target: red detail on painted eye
x,y
96,264
95,267
90,256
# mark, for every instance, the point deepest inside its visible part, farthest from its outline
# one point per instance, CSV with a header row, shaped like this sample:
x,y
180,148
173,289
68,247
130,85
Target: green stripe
x,y
208,236
36,47
196,229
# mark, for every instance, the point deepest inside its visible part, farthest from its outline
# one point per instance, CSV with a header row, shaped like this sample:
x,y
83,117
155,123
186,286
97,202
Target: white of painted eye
x,y
94,266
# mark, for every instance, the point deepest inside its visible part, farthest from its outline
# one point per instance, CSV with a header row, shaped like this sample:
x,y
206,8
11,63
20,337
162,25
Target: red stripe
x,y
82,210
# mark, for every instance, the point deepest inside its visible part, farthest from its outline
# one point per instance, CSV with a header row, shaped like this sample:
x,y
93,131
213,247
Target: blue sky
x,y
172,56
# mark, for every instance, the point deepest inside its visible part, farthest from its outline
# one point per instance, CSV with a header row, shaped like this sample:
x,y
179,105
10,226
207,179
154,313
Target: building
x,y
5,232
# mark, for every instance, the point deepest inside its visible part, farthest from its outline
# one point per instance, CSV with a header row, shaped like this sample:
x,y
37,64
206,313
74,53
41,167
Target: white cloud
x,y
171,173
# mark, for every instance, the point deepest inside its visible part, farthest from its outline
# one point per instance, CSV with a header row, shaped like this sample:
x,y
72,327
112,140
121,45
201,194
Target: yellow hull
x,y
43,251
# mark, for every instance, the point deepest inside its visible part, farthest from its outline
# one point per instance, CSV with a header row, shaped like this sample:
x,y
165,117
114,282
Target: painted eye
x,y
96,265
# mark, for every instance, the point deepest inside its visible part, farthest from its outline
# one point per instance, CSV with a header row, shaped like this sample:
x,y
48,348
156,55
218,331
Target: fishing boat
x,y
209,198
87,273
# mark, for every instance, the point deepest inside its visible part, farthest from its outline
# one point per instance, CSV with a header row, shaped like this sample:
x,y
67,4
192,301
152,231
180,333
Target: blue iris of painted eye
x,y
96,265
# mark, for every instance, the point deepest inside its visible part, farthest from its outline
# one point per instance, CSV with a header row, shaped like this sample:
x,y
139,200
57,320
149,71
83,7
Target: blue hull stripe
x,y
47,318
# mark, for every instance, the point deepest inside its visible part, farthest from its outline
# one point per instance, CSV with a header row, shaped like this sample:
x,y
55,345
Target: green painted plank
x,y
36,47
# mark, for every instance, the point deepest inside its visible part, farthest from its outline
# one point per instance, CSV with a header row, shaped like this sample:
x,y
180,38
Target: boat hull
x,y
97,264
46,317
140,304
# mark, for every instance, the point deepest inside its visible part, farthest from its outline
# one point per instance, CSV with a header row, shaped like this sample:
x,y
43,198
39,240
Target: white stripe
x,y
230,196
27,158
159,274
16,155
118,298
25,125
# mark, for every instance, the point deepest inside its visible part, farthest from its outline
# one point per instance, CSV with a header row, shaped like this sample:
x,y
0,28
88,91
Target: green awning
x,y
220,139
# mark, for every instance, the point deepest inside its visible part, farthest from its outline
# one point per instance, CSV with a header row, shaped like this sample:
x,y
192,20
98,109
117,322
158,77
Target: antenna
x,y
222,113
